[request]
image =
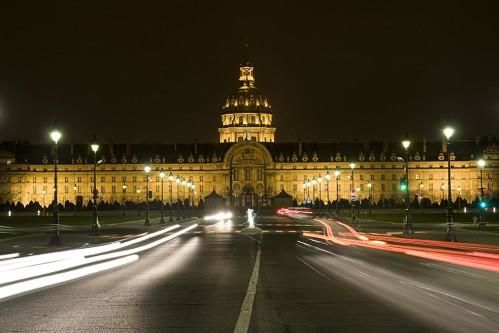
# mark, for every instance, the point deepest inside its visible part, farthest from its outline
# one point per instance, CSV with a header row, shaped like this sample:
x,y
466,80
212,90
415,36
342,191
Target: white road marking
x,y
243,320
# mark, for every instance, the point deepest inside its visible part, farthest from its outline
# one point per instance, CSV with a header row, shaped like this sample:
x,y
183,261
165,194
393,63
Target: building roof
x,y
339,151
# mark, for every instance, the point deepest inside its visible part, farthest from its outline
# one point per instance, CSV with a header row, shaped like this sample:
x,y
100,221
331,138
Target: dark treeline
x,y
102,206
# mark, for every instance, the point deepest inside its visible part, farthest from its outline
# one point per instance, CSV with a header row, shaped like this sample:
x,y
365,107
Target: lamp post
x,y
407,221
162,220
43,192
74,189
170,181
96,225
55,135
451,236
352,166
481,164
337,176
319,181
178,180
304,191
314,182
369,186
147,169
308,189
327,177
123,187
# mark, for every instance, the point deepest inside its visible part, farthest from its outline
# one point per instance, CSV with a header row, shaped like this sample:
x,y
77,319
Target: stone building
x,y
247,167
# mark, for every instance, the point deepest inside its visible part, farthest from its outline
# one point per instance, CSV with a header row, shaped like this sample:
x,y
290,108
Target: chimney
x,y
195,146
300,147
424,145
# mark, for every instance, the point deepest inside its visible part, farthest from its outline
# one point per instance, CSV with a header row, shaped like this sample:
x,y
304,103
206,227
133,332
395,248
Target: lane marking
x,y
243,320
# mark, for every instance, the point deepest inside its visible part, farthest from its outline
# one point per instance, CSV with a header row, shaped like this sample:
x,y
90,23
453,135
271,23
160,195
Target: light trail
x,y
68,254
485,261
9,256
85,258
19,288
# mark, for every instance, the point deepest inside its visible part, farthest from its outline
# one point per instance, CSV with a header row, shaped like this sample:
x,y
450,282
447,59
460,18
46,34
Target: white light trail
x,y
46,281
219,216
9,256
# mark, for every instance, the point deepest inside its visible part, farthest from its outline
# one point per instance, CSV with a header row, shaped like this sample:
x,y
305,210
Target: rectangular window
x,y
79,179
102,189
295,178
34,189
19,179
103,179
113,188
247,174
430,187
34,179
430,176
113,179
382,177
394,187
134,178
281,178
235,174
123,179
372,177
361,177
201,189
44,179
66,179
200,178
157,188
79,189
214,178
417,176
66,190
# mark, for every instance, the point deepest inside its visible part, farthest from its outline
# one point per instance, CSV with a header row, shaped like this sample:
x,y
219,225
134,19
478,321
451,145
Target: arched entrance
x,y
247,163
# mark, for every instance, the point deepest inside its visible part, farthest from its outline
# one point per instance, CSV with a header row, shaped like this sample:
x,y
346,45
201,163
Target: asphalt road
x,y
198,283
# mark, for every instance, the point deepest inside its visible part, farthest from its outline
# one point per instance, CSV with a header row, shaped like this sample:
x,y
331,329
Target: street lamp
x,y
96,225
74,189
407,221
55,135
308,189
327,177
337,175
369,186
147,169
319,180
170,181
178,181
162,220
352,166
448,132
123,187
304,189
481,164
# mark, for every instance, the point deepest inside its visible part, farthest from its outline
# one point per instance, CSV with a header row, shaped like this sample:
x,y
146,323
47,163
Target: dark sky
x,y
159,71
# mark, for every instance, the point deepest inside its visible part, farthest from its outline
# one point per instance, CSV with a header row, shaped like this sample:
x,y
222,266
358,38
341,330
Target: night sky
x,y
160,71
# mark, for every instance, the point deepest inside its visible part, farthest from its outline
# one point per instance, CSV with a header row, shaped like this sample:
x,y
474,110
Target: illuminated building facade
x,y
247,167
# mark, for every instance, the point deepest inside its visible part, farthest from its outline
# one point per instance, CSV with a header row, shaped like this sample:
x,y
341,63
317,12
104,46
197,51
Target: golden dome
x,y
247,98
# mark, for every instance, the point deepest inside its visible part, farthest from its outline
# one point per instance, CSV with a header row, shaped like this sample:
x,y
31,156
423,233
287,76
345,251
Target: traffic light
x,y
483,204
403,183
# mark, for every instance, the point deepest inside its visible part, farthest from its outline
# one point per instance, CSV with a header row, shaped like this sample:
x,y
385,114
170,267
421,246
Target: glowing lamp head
x,y
124,186
483,204
352,165
327,176
480,163
319,179
406,144
369,185
448,132
170,177
147,169
95,147
162,174
55,136
336,173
